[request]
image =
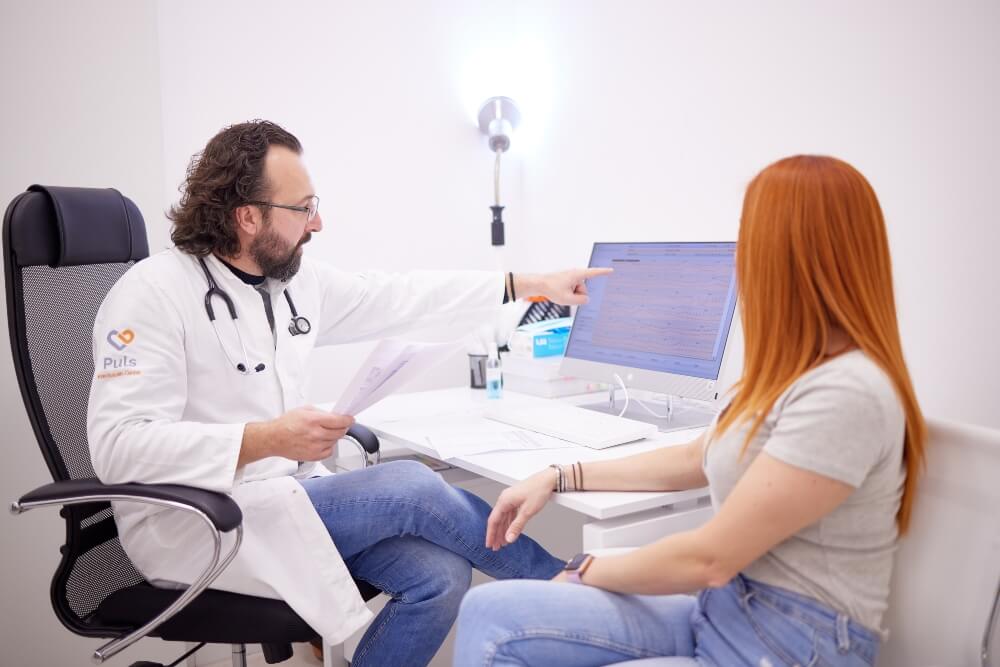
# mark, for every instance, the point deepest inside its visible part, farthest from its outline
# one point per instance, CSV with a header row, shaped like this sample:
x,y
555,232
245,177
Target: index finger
x,y
492,527
597,272
497,522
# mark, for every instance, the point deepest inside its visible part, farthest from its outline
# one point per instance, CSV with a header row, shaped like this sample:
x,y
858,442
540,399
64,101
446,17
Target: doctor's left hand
x,y
568,288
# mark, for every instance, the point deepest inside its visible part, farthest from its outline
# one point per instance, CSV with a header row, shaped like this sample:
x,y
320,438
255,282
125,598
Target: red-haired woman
x,y
812,468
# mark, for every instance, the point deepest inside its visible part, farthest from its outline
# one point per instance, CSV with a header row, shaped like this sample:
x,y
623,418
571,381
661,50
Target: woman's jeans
x,y
743,623
401,528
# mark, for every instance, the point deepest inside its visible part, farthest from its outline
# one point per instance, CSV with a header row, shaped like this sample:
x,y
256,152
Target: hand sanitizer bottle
x,y
494,377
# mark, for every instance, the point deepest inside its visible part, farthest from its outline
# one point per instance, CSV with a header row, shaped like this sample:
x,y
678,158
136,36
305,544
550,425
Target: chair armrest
x,y
220,509
364,437
219,512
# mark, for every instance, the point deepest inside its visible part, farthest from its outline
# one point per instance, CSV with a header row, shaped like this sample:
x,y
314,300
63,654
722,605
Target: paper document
x,y
402,407
390,365
477,442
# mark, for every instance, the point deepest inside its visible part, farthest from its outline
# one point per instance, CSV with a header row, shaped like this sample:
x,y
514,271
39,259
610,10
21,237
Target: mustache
x,y
305,239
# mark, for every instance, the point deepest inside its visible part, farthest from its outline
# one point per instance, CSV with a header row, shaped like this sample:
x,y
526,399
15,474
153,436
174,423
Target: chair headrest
x,y
62,226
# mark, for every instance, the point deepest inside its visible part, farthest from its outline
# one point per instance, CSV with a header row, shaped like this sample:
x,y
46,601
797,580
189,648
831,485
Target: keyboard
x,y
571,423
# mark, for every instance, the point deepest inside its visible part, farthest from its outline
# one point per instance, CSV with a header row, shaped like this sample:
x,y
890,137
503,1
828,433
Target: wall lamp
x,y
498,118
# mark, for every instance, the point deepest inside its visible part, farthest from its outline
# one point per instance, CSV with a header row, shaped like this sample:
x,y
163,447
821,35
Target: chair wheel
x,y
146,663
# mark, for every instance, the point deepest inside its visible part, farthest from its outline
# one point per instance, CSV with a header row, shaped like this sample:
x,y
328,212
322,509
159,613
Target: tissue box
x,y
547,338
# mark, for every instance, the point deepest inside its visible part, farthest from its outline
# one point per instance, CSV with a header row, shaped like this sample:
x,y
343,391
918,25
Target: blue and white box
x,y
547,338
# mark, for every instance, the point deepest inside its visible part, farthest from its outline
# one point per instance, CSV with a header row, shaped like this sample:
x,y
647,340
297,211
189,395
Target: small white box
x,y
565,386
545,368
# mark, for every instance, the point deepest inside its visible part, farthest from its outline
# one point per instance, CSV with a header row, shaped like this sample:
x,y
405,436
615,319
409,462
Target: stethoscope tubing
x,y
297,326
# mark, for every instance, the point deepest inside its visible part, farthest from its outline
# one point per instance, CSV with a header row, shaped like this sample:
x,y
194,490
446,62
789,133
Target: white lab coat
x,y
167,407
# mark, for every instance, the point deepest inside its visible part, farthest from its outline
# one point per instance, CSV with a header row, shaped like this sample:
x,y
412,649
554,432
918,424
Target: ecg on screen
x,y
668,308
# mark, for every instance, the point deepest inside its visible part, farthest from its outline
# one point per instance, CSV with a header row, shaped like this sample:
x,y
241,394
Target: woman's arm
x,y
771,502
665,469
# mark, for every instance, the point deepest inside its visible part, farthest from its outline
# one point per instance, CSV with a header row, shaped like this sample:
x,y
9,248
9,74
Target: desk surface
x,y
409,419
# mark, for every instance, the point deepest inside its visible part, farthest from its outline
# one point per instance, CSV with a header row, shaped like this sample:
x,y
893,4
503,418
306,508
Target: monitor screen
x,y
667,308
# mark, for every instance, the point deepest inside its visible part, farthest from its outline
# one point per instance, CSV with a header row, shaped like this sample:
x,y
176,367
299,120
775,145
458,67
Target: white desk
x,y
622,518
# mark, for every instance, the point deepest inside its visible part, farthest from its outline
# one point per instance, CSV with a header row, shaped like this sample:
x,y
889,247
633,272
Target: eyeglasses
x,y
311,209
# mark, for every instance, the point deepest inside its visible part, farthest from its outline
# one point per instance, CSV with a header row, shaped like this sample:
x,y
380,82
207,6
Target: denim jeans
x,y
743,623
404,530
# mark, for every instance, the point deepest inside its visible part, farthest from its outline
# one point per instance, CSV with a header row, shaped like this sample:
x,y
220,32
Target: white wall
x,y
664,111
80,107
374,93
643,121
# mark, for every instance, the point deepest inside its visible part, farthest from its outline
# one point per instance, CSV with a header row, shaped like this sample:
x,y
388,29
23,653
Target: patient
x,y
812,467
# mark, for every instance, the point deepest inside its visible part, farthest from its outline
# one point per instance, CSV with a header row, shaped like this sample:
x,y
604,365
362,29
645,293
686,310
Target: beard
x,y
273,255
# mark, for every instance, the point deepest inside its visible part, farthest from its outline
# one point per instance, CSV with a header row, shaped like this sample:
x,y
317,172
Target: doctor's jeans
x,y
744,623
402,528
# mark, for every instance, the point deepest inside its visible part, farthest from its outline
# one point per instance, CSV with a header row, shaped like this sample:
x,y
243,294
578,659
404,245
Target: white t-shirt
x,y
842,419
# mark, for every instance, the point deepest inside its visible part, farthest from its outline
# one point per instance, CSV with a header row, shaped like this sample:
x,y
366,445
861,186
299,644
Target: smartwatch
x,y
576,567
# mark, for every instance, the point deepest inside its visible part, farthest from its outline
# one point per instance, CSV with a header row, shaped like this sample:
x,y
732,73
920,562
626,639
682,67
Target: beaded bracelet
x,y
560,478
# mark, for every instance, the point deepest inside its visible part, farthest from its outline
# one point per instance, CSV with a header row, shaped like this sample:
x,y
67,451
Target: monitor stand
x,y
680,414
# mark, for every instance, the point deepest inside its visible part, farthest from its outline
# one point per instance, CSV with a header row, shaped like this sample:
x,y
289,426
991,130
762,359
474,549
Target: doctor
x,y
201,355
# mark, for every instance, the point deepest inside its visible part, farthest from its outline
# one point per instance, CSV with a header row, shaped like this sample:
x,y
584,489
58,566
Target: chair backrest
x,y
948,566
63,250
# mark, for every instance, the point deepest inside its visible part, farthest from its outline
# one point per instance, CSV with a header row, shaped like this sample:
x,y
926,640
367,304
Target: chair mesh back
x,y
59,310
96,574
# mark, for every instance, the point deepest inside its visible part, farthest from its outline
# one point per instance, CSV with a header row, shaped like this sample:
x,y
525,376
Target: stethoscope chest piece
x,y
299,326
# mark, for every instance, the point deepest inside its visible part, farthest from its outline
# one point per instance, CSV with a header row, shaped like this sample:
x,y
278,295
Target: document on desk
x,y
390,365
452,445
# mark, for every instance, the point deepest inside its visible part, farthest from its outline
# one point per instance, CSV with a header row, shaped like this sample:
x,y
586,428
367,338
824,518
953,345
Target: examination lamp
x,y
498,118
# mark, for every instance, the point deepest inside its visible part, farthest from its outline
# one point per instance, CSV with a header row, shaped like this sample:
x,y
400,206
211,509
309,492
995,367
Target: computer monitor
x,y
664,322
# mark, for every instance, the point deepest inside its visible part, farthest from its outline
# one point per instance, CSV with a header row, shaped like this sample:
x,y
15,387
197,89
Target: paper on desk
x,y
401,407
390,365
454,445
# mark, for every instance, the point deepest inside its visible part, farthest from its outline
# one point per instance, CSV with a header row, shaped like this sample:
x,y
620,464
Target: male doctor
x,y
216,400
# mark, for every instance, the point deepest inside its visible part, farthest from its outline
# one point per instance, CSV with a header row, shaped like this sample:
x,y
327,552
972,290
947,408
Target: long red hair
x,y
813,254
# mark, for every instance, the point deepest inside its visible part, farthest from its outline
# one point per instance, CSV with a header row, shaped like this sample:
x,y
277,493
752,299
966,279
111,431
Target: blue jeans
x,y
401,528
743,623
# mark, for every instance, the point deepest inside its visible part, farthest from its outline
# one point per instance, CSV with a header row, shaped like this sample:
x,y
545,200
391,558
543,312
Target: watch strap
x,y
576,568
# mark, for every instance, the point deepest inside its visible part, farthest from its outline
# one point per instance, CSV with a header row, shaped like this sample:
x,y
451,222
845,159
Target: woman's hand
x,y
516,505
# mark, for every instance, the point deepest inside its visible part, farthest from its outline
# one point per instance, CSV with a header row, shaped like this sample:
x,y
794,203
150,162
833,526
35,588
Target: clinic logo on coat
x,y
117,364
120,339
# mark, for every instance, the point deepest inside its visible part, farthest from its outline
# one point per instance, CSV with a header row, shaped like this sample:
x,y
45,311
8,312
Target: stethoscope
x,y
297,326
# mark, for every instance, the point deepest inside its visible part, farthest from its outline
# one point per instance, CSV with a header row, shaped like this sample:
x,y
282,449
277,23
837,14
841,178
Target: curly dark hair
x,y
226,175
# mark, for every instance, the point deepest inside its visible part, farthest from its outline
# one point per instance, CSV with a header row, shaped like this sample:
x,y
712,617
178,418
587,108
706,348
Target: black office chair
x,y
63,250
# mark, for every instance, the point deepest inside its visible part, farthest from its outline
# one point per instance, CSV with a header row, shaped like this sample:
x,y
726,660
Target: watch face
x,y
576,562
